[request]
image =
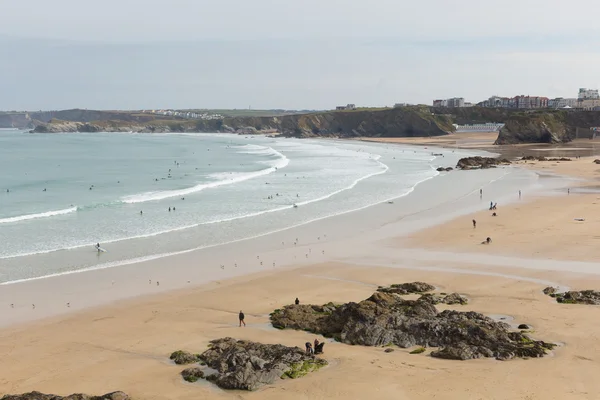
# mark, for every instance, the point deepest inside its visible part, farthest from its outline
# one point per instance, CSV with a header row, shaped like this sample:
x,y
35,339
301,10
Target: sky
x,y
305,54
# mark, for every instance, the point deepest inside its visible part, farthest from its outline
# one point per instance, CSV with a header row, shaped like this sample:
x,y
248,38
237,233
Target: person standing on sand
x,y
480,193
297,301
241,316
474,224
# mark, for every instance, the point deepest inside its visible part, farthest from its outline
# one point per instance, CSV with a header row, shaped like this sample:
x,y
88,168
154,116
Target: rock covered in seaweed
x,y
478,162
192,374
386,318
75,396
181,357
246,365
589,297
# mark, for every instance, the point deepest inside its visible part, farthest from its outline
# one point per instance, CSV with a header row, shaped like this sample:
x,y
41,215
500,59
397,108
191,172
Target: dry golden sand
x,y
125,346
543,227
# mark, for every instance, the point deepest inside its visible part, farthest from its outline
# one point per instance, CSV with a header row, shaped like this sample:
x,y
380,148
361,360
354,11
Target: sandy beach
x,y
93,347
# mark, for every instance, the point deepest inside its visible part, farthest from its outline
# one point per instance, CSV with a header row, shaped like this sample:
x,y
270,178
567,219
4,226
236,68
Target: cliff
x,y
549,126
15,120
546,127
386,123
526,126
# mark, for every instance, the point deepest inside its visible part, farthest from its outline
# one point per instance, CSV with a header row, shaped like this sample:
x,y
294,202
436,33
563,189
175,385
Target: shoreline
x,y
56,255
150,267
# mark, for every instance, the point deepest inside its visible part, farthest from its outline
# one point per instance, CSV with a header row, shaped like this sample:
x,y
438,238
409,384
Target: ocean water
x,y
60,194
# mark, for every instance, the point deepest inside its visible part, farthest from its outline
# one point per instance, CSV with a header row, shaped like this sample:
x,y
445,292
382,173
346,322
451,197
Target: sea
x,y
141,195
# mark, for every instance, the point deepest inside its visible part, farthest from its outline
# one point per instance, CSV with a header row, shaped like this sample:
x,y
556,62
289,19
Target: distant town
x,y
586,100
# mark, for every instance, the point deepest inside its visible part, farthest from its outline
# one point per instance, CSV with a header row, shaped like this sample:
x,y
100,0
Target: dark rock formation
x,y
550,290
597,161
523,326
534,158
590,297
481,162
407,288
76,396
192,374
386,318
452,298
389,350
442,169
534,128
183,357
246,365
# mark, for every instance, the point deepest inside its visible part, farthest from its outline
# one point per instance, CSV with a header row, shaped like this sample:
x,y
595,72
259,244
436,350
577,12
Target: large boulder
x,y
388,319
192,374
478,162
75,396
246,365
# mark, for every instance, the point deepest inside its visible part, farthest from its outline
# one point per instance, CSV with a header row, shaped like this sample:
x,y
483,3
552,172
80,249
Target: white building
x,y
561,102
487,127
588,94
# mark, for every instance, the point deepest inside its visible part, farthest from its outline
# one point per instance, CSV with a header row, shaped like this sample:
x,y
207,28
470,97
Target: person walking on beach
x,y
474,224
241,316
297,301
519,194
480,193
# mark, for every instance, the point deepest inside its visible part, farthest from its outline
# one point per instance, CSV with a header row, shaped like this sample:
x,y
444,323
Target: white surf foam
x,y
39,215
151,257
225,179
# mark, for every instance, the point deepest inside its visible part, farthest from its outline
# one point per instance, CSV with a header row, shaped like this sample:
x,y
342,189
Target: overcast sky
x,y
305,54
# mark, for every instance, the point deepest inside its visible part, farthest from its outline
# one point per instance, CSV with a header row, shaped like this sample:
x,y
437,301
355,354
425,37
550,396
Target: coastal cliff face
x,y
520,126
540,128
526,126
16,120
385,123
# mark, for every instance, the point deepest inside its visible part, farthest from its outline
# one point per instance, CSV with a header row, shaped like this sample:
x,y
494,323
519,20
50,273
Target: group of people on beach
x,y
316,349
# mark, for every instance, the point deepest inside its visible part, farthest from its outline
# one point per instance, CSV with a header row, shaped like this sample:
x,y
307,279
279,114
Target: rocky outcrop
x,y
76,396
589,297
246,365
451,299
407,288
386,318
442,169
423,288
534,128
534,158
409,122
181,357
478,162
550,291
192,374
